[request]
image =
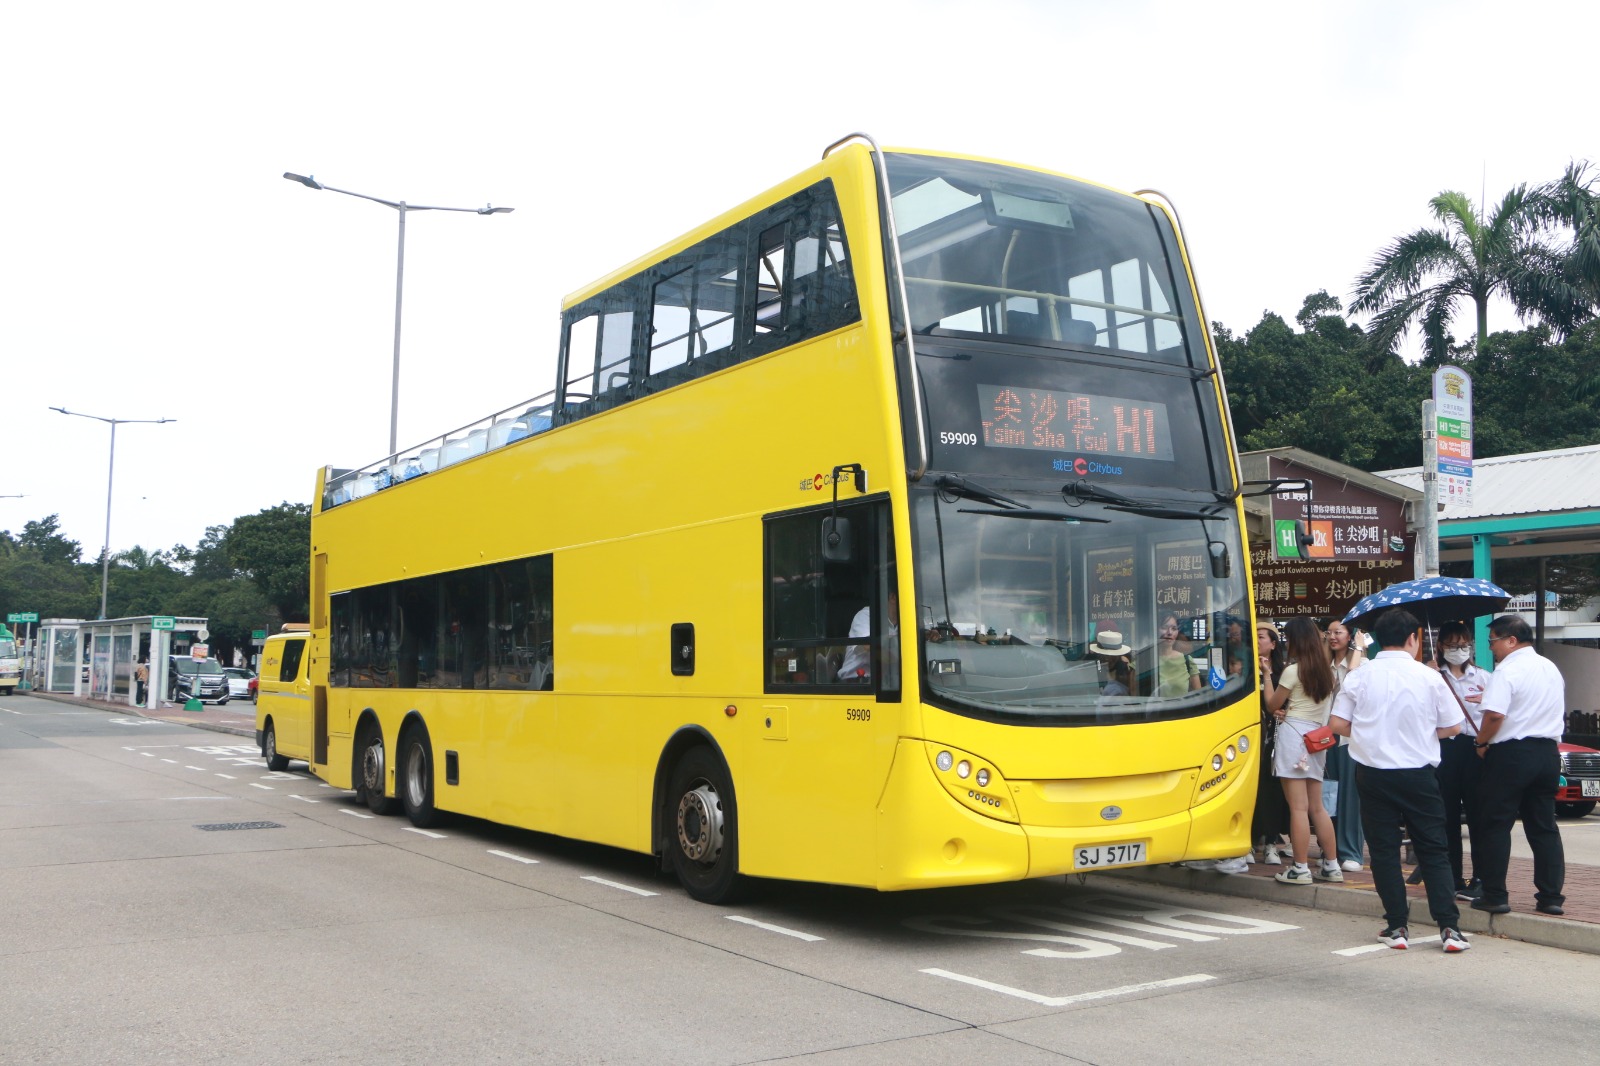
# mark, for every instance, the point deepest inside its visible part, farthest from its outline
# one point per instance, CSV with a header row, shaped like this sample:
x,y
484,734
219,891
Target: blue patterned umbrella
x,y
1432,600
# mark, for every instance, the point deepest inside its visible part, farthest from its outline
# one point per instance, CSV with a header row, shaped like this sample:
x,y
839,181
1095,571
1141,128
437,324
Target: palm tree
x,y
1427,273
1563,278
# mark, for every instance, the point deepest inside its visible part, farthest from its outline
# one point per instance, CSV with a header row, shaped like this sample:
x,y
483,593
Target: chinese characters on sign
x,y
1452,409
1285,588
1016,417
1343,521
1111,589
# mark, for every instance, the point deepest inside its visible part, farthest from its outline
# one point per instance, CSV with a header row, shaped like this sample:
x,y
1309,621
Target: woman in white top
x,y
1459,766
1301,702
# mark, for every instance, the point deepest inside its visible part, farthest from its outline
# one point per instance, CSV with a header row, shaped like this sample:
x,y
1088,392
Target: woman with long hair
x,y
1271,818
1301,702
1344,656
1175,673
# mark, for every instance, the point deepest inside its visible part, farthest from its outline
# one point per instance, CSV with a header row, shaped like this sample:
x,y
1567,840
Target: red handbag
x,y
1321,739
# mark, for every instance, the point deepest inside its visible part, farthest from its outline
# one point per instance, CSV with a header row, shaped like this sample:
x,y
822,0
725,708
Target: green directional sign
x,y
161,622
23,616
1454,427
258,634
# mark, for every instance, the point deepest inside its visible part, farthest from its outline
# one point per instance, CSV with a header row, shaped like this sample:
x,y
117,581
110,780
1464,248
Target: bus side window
x,y
582,334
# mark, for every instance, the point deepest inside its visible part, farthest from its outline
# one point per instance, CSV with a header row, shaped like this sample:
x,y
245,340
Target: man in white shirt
x,y
857,664
1523,718
1395,711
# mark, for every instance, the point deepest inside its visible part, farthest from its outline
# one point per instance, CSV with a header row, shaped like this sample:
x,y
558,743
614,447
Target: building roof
x,y
1526,484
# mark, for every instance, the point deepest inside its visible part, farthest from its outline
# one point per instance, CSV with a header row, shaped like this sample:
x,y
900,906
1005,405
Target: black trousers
x,y
1459,773
1519,780
1392,797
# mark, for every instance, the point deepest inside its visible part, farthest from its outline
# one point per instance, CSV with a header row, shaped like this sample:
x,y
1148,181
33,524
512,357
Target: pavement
x,y
1577,930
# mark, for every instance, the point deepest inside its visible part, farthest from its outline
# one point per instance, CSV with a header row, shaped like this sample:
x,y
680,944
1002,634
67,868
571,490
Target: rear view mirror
x,y
836,542
1221,561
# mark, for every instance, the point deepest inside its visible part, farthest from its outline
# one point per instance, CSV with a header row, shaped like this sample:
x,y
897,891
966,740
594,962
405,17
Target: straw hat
x,y
1108,642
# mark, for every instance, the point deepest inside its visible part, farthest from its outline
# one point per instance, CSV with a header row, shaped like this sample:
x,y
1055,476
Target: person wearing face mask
x,y
1459,767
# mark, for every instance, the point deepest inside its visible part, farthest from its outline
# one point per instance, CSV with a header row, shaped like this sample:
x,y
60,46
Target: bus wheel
x,y
373,769
269,749
1575,810
701,829
415,780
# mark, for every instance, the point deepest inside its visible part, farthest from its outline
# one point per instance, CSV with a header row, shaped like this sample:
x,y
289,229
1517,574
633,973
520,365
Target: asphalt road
x,y
138,930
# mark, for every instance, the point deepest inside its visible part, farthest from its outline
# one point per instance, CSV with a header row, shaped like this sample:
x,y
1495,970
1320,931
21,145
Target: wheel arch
x,y
367,719
686,738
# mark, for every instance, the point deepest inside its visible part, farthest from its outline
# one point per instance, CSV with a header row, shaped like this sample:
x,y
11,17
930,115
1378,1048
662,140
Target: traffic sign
x,y
258,634
161,622
23,616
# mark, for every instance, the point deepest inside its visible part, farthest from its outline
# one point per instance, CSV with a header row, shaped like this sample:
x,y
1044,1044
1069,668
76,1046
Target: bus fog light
x,y
963,768
983,778
1216,762
945,760
1231,754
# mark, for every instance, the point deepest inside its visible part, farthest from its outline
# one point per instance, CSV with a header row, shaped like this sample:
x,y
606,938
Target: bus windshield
x,y
8,649
999,251
1080,612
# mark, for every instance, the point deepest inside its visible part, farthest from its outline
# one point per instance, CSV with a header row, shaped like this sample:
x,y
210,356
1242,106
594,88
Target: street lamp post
x,y
400,207
111,469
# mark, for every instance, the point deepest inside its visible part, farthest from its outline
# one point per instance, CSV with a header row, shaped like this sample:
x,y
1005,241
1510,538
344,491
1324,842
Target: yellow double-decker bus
x,y
882,531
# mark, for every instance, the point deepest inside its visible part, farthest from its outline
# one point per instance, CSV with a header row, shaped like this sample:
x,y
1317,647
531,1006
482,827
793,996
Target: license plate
x,y
1591,787
1103,855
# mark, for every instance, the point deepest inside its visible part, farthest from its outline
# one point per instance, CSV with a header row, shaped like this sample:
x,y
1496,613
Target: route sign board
x,y
23,616
161,622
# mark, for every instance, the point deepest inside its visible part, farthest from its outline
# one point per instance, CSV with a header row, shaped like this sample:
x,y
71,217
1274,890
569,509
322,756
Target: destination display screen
x,y
1075,423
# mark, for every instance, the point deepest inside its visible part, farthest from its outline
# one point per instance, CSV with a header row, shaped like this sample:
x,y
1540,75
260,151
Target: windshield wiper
x,y
1085,491
971,490
1043,516
1167,512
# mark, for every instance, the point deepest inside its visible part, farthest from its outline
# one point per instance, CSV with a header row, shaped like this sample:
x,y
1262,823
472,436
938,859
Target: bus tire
x,y
269,748
414,777
700,828
373,766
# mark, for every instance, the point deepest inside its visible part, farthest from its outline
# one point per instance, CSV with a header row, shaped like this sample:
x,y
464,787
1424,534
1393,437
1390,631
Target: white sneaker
x,y
1330,872
1294,875
1270,857
1351,866
1233,866
1201,864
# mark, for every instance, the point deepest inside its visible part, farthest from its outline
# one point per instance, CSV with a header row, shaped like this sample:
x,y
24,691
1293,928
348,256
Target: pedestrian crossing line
x,y
1081,997
1367,948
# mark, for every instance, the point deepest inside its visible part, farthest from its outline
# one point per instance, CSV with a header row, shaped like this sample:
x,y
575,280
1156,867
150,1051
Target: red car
x,y
1580,781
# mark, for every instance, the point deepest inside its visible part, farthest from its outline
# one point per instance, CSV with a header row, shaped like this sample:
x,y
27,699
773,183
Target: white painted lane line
x,y
424,833
230,777
169,760
1366,948
1081,997
618,884
353,814
772,928
148,754
269,788
514,858
304,799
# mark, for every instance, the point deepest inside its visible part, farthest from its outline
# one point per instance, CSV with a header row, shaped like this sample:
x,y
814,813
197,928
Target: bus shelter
x,y
113,648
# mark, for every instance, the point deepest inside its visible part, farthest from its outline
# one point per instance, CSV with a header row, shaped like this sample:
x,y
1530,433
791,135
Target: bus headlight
x,y
1216,762
963,768
982,779
1244,744
972,782
1231,754
945,760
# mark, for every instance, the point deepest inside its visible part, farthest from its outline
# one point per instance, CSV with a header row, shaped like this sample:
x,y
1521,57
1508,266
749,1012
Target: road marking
x,y
169,760
1081,997
514,858
200,768
269,788
425,833
305,799
353,814
772,928
618,884
1365,948
148,754
230,777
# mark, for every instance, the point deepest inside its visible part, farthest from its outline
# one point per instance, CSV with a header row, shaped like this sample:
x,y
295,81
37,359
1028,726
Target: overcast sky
x,y
156,265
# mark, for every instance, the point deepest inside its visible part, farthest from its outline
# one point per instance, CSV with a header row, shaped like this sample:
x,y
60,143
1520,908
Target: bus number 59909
x,y
947,437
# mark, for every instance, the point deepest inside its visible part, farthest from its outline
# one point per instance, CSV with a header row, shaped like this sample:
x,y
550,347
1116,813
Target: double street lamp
x,y
401,207
111,469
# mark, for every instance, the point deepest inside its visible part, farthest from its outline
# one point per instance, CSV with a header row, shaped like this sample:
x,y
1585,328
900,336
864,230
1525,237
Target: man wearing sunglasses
x,y
1523,714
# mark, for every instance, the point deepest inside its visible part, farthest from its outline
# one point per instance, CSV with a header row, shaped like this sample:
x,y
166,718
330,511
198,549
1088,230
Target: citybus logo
x,y
1081,466
818,482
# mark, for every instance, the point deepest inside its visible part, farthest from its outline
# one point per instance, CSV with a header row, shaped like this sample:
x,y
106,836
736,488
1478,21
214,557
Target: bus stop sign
x,y
161,622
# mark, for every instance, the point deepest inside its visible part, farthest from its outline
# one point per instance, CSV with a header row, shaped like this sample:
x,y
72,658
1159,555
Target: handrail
x,y
1051,297
900,286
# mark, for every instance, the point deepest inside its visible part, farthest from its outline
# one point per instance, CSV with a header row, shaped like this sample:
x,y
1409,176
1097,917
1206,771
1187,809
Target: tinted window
x,y
293,652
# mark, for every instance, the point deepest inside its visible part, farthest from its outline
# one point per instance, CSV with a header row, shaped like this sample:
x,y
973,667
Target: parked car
x,y
201,678
1580,781
240,685
284,711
